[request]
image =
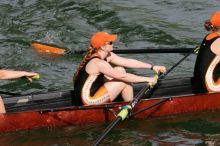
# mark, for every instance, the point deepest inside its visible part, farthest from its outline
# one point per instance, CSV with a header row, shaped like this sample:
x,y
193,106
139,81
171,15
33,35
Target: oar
x,y
125,111
56,50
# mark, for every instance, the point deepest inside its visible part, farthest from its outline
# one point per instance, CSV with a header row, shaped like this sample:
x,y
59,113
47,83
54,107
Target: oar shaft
x,y
161,77
107,130
181,60
151,50
146,50
143,91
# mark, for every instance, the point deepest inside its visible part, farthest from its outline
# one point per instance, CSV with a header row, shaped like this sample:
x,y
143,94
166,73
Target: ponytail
x,y
89,52
208,26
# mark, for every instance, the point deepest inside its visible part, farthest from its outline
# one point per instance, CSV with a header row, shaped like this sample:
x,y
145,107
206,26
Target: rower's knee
x,y
118,68
121,69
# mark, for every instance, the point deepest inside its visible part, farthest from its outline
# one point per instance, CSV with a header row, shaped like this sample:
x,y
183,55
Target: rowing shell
x,y
61,108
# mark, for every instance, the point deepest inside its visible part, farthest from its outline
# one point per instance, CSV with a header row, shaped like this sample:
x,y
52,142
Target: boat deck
x,y
51,100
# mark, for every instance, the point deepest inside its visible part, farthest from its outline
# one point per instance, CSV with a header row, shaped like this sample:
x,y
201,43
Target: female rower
x,y
207,69
9,75
97,82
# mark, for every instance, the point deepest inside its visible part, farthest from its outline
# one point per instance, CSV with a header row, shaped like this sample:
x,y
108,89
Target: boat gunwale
x,y
112,105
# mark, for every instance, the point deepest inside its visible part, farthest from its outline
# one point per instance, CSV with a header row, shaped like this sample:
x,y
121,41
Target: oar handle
x,y
156,77
36,77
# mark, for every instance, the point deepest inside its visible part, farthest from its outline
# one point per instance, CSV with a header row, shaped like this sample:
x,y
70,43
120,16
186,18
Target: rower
x,y
97,82
207,67
10,75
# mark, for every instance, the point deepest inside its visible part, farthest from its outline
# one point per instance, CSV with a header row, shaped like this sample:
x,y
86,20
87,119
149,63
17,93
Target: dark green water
x,y
68,23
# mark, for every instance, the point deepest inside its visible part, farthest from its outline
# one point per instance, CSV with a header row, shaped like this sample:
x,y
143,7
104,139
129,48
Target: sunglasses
x,y
110,43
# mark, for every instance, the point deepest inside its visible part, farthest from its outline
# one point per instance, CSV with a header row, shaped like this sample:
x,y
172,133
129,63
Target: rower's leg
x,y
116,87
2,106
127,93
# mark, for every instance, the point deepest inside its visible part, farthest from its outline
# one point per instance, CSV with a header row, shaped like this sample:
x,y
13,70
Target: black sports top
x,y
207,67
82,78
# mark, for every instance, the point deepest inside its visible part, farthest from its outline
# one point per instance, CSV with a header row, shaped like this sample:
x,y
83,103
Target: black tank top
x,y
81,79
203,60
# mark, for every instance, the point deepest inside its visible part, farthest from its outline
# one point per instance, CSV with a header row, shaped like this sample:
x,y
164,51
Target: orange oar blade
x,y
48,49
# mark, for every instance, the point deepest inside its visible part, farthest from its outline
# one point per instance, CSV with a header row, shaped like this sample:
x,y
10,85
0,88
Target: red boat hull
x,y
96,114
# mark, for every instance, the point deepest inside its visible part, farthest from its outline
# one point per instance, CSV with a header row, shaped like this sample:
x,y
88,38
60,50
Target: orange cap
x,y
101,38
215,19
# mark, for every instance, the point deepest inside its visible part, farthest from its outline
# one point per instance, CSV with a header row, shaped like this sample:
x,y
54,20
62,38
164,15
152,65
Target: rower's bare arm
x,y
10,74
215,47
127,62
109,71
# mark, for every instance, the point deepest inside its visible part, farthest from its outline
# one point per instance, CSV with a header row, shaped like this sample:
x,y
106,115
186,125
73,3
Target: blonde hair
x,y
89,54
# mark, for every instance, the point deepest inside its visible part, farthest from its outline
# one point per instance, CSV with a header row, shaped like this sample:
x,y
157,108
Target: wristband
x,y
152,67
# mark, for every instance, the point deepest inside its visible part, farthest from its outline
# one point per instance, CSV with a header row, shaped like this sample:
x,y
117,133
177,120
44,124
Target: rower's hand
x,y
152,81
31,75
159,69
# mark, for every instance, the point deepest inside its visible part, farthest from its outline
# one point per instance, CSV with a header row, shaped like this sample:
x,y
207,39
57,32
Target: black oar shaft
x,y
107,130
143,91
146,50
174,66
162,76
150,50
118,119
